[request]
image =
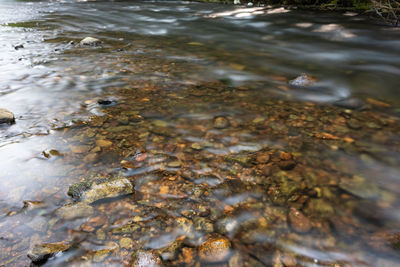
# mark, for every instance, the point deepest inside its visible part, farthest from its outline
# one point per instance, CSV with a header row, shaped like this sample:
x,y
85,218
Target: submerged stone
x,y
75,211
298,221
6,116
215,249
42,252
91,191
221,122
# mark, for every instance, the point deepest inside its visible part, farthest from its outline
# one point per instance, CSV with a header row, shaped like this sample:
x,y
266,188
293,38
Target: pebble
x,y
103,143
354,124
215,249
126,243
287,165
6,116
90,41
221,122
263,158
350,103
298,221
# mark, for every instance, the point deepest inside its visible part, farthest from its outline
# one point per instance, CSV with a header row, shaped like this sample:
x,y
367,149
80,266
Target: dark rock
x,y
354,124
350,103
287,165
20,46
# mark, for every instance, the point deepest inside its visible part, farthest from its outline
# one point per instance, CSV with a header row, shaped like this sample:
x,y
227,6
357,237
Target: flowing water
x,y
191,102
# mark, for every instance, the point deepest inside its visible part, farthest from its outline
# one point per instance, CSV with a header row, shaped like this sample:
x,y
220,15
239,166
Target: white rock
x,y
6,116
236,2
90,41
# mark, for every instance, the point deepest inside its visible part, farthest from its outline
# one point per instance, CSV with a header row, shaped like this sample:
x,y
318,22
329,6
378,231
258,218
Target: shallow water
x,y
191,103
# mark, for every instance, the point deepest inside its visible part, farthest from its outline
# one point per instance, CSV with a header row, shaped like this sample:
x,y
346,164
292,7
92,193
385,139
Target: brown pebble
x,y
215,249
298,221
288,260
263,158
285,156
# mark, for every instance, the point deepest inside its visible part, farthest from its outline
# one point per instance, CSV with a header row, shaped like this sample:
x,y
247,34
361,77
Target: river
x,y
192,103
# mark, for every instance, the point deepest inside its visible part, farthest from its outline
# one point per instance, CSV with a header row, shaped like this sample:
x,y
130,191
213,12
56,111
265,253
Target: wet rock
x,y
126,243
303,80
287,165
6,116
96,189
298,221
319,207
101,255
42,252
103,143
221,122
263,158
90,41
215,249
350,103
126,229
146,259
360,187
20,46
354,124
75,211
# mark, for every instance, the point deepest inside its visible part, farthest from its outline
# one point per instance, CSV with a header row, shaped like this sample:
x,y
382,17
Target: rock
x,y
103,143
263,158
360,187
91,191
146,259
236,2
42,252
354,124
250,4
75,211
215,249
126,242
90,41
287,165
20,46
350,103
303,80
221,123
298,221
101,255
6,116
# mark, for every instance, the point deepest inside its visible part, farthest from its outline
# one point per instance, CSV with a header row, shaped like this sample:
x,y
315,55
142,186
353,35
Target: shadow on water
x,y
180,139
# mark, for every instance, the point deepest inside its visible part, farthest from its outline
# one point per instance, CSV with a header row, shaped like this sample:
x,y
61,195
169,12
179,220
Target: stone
x,y
350,103
287,165
103,143
298,221
146,259
303,80
75,211
42,252
353,124
126,242
221,122
263,158
101,255
91,191
6,116
90,41
215,249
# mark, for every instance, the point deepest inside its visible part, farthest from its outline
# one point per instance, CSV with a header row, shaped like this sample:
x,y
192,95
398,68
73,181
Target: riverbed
x,y
192,105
